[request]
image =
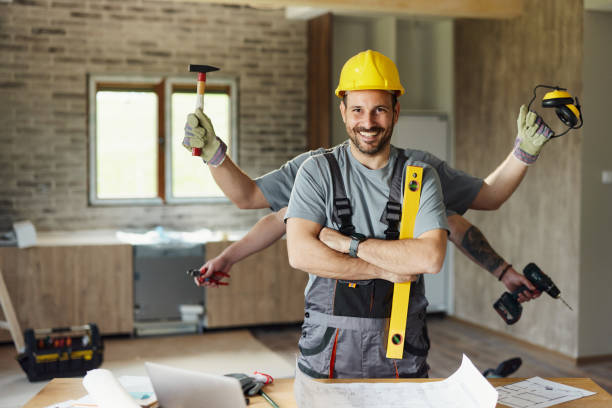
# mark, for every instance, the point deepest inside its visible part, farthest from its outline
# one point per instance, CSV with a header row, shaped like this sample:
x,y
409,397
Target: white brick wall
x,y
47,48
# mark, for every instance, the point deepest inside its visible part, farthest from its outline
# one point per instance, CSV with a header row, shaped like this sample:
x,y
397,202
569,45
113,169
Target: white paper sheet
x,y
537,392
139,388
26,234
106,391
465,388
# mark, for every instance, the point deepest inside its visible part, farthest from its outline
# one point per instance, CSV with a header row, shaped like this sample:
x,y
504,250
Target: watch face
x,y
359,237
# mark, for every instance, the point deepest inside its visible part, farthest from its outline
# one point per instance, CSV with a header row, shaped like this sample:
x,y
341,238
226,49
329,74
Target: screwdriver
x,y
267,398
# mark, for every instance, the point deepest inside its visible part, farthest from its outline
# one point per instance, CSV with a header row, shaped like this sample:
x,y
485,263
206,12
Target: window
x,y
136,131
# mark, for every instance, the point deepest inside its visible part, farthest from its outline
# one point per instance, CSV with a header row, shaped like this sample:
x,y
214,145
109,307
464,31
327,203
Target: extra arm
x,y
500,184
532,134
473,244
238,186
264,233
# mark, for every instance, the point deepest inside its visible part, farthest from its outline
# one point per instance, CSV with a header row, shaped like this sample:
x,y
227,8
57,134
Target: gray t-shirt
x,y
368,192
276,185
458,188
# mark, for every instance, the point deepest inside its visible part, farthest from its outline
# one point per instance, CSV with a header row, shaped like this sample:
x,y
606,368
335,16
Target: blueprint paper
x,y
465,388
537,392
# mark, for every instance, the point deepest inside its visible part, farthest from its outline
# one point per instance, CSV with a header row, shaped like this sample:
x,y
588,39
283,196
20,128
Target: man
x,y
429,245
348,296
460,192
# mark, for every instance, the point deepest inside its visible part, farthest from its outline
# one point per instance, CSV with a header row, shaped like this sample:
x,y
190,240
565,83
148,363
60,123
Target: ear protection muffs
x,y
567,108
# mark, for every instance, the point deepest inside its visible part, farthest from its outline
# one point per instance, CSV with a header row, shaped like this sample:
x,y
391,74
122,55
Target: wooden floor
x,y
451,338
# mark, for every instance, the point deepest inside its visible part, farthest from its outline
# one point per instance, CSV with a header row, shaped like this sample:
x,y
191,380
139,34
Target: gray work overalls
x,y
344,334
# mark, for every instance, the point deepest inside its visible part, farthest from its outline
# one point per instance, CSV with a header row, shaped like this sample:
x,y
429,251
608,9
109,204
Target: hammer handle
x,y
196,151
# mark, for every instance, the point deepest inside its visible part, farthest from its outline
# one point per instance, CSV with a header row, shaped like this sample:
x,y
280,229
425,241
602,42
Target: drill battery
x,y
61,352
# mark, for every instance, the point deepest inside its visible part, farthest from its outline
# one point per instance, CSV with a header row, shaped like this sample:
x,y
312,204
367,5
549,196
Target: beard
x,y
377,145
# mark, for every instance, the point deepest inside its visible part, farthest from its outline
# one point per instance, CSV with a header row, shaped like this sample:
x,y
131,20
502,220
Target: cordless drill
x,y
508,305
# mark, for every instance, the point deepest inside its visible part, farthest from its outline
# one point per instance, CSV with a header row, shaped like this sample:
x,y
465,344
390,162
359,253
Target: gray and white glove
x,y
532,134
199,132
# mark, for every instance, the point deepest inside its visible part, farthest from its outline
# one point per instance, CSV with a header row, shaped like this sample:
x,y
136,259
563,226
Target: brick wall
x,y
47,48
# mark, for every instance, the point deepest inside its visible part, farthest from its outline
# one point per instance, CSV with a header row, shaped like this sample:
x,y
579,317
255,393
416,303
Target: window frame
x,y
162,86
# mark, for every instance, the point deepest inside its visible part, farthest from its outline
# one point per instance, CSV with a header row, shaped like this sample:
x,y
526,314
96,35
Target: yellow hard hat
x,y
369,70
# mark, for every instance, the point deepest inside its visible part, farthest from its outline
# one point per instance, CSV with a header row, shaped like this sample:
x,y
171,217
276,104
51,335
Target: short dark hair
x,y
393,99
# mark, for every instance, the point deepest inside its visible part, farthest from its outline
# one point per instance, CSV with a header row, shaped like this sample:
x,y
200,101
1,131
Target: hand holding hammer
x,y
200,135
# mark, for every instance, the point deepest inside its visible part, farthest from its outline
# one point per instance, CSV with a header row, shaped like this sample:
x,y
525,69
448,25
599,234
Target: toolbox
x,y
61,352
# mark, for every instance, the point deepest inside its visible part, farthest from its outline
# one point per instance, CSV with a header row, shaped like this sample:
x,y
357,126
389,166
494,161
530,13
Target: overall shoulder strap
x,y
320,151
342,205
393,211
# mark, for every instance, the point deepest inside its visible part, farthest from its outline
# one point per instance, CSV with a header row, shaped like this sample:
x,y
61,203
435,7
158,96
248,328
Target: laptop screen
x,y
179,388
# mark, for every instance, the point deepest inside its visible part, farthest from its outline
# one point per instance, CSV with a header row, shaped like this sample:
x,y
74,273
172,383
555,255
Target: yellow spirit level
x,y
401,291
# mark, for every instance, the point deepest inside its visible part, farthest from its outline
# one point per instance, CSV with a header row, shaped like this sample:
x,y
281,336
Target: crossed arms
x,y
324,252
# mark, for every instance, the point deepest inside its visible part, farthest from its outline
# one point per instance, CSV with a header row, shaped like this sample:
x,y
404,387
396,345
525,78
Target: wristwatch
x,y
356,238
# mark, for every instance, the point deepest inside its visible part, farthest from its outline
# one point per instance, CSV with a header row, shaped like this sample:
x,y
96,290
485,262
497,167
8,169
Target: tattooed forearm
x,y
475,243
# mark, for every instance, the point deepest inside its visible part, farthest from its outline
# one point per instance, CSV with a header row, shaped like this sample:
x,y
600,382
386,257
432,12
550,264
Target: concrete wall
x,y
49,47
595,305
497,64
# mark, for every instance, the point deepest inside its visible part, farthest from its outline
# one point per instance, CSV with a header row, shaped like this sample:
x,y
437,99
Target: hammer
x,y
201,70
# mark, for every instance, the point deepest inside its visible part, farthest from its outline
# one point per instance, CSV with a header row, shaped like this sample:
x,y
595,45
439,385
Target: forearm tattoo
x,y
475,243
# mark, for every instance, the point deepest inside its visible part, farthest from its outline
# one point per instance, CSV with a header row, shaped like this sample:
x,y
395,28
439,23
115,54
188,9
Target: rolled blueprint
x,y
106,391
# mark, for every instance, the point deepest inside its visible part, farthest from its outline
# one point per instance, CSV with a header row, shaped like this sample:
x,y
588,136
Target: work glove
x,y
532,134
199,132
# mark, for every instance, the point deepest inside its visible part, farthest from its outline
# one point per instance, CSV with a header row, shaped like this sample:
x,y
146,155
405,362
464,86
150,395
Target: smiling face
x,y
369,117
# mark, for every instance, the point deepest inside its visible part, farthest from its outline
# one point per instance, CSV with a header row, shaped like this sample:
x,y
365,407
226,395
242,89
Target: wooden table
x,y
62,389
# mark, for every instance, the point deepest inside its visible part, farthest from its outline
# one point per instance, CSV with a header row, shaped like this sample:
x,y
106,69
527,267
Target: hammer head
x,y
202,68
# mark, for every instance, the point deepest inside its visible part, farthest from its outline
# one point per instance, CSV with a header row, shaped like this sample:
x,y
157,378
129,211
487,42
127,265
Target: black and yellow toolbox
x,y
61,352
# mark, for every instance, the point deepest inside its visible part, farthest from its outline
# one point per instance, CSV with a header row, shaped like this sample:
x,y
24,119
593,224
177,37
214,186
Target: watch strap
x,y
353,247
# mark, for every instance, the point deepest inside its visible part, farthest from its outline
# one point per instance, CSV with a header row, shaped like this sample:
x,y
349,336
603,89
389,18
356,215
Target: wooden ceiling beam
x,y
498,9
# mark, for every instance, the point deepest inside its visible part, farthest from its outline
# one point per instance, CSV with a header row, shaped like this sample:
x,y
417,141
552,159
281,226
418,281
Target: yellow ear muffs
x,y
566,107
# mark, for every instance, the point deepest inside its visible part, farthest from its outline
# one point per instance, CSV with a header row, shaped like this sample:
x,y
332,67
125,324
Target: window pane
x,y
126,136
190,176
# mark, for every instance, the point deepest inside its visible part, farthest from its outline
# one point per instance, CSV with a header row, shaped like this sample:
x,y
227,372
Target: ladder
x,y
11,324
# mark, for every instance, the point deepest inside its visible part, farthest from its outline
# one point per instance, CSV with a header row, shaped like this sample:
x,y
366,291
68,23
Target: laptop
x,y
179,388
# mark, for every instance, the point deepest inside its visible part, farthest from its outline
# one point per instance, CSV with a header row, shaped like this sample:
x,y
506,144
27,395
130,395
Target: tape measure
x,y
401,291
